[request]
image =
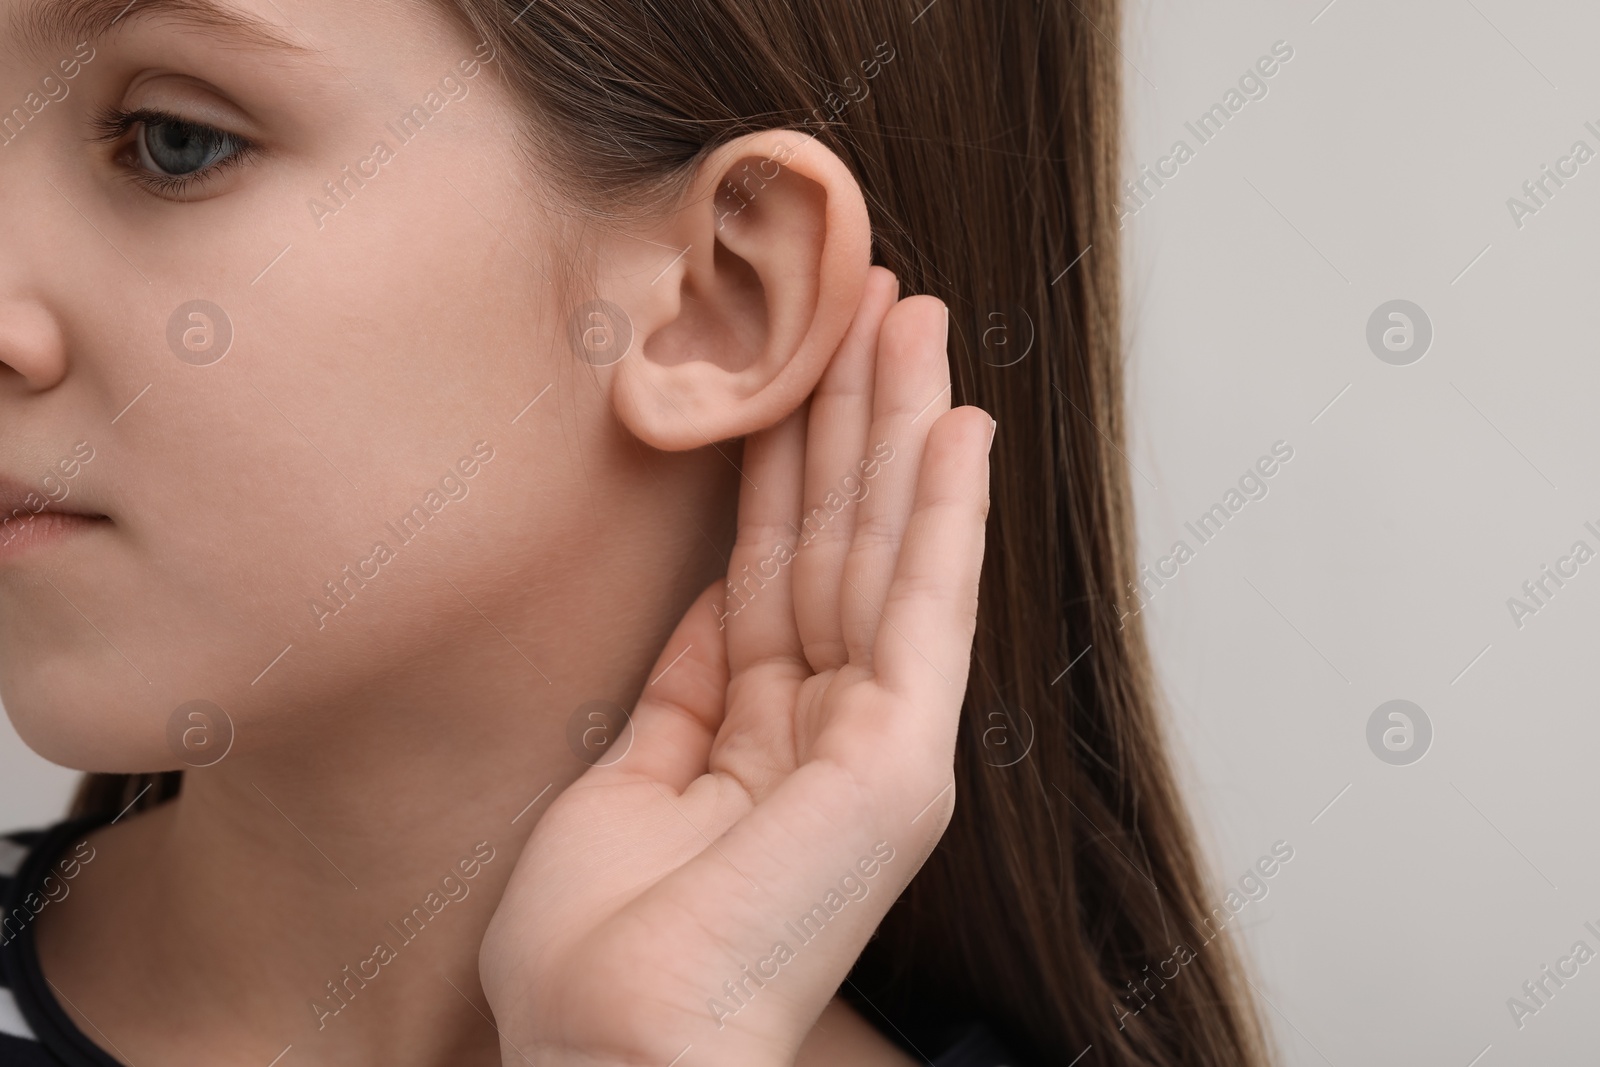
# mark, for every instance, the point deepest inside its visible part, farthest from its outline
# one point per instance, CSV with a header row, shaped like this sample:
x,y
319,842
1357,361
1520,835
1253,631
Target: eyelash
x,y
113,123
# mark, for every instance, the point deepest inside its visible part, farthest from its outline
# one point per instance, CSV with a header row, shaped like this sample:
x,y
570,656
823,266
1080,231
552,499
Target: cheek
x,y
238,491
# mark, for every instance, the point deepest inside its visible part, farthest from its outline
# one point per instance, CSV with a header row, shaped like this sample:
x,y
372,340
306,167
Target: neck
x,y
340,904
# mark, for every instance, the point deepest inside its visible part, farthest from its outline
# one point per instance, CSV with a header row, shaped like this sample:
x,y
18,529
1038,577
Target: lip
x,y
23,529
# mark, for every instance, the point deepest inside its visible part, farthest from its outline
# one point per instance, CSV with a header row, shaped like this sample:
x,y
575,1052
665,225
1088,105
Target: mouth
x,y
30,520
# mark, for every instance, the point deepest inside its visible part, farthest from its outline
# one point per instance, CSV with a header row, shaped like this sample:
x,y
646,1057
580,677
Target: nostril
x,y
31,343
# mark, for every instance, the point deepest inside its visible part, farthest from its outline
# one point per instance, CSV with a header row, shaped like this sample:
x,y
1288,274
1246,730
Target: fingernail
x,y
994,428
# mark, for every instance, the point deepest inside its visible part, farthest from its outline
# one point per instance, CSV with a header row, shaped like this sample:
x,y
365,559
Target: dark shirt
x,y
37,868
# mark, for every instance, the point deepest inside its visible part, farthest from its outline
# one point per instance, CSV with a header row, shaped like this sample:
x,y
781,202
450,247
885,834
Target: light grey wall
x,y
32,792
1378,567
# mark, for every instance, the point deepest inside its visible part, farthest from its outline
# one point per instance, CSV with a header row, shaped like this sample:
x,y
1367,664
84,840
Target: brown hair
x,y
986,138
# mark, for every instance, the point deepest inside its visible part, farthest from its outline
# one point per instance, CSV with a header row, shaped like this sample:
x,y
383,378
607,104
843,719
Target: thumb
x,y
669,735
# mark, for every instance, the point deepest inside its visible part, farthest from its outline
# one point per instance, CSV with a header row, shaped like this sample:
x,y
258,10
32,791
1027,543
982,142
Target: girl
x,y
482,511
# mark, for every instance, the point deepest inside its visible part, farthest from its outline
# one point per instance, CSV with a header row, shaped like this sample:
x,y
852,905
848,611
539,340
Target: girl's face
x,y
278,327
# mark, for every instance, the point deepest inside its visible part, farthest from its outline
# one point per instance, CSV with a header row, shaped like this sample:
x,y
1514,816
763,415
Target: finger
x,y
836,442
924,647
911,390
669,737
759,605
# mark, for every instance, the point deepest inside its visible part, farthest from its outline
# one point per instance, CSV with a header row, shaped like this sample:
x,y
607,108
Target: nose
x,y
32,348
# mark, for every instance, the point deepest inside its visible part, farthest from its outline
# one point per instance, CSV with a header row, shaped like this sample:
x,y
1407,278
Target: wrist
x,y
526,1056
697,1054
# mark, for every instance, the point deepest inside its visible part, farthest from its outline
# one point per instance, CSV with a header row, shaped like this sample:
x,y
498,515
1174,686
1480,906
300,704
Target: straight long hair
x,y
986,137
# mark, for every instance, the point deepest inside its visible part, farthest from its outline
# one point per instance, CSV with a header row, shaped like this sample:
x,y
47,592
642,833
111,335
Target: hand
x,y
788,774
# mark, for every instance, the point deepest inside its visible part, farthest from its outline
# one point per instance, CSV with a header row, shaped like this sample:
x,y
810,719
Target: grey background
x,y
1378,567
1378,166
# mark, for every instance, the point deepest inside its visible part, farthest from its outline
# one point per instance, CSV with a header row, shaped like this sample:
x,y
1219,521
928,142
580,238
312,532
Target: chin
x,y
74,723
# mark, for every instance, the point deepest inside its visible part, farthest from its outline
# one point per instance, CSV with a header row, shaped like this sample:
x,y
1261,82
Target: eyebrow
x,y
57,23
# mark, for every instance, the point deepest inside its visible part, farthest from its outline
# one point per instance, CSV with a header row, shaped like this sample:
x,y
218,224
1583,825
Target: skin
x,y
427,723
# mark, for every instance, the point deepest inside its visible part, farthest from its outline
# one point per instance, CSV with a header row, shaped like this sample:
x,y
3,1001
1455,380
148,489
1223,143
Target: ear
x,y
737,301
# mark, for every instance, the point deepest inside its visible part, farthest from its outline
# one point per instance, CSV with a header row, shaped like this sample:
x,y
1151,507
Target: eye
x,y
168,153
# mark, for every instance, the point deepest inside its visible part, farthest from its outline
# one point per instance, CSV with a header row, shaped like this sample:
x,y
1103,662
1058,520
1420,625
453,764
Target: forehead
x,y
44,27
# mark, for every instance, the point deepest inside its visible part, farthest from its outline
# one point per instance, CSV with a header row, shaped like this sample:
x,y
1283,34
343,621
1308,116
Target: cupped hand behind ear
x,y
700,899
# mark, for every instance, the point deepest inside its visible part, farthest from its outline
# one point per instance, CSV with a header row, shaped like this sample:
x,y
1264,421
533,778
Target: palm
x,y
811,719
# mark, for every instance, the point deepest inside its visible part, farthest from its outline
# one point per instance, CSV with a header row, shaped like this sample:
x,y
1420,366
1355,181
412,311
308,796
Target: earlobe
x,y
738,300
